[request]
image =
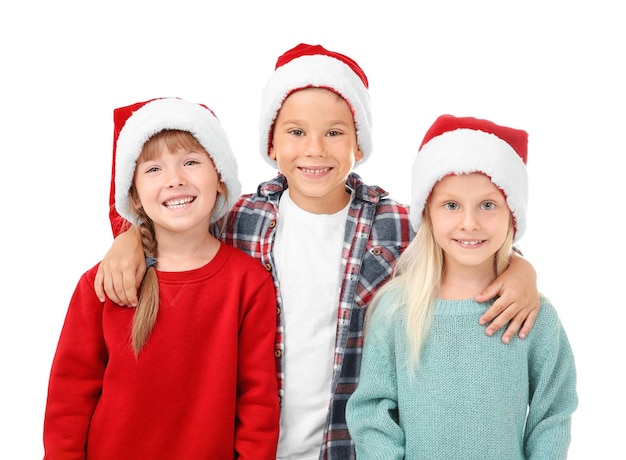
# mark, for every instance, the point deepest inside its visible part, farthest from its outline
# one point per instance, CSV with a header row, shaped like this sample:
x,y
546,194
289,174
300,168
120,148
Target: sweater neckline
x,y
460,307
197,274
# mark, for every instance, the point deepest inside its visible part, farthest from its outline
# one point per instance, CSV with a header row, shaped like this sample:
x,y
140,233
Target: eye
x,y
296,132
152,169
191,162
488,205
451,206
333,133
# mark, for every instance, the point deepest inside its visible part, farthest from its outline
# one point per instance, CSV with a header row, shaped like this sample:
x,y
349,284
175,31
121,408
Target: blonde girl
x,y
432,384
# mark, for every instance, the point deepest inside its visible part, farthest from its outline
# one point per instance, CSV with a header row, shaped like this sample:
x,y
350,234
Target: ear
x,y
358,155
272,152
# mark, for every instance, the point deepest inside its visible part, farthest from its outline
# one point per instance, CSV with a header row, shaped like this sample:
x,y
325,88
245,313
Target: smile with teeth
x,y
315,171
470,242
178,202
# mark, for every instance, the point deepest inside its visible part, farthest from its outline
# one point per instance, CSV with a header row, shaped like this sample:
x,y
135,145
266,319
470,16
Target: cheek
x,y
145,191
442,221
501,226
440,228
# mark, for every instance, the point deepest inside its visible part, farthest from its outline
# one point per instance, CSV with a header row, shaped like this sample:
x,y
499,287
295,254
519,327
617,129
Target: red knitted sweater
x,y
203,387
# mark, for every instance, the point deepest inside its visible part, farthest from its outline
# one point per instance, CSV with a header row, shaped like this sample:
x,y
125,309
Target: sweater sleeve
x,y
258,411
372,410
76,376
553,396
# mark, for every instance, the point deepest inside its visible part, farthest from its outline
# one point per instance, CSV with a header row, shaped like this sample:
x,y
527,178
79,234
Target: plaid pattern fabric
x,y
377,231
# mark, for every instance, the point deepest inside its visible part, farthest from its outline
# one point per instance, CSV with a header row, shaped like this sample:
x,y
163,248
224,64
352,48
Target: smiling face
x,y
315,145
470,219
177,185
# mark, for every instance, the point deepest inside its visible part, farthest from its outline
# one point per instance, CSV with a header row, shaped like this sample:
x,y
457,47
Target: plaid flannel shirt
x,y
377,231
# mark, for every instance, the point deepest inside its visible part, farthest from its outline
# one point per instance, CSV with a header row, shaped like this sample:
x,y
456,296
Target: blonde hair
x,y
417,279
148,304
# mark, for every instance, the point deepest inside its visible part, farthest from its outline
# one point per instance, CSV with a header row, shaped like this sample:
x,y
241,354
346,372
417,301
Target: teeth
x,y
315,171
469,243
178,202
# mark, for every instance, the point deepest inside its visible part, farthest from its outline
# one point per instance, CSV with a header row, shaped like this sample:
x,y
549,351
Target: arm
x,y
518,302
552,386
76,377
371,411
122,269
258,411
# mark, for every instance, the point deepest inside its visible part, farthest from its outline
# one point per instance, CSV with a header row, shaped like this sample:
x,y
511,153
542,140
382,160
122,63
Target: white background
x,y
554,68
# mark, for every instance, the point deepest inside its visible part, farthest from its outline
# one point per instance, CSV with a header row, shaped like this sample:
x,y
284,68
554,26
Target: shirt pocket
x,y
376,269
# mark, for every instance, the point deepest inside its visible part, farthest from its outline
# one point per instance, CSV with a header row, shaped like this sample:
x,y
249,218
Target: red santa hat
x,y
455,145
312,66
137,123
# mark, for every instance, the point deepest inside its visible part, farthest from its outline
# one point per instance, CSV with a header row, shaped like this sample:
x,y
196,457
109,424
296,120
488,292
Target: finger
x,y
528,324
490,292
501,317
131,287
109,289
513,327
98,284
121,288
493,312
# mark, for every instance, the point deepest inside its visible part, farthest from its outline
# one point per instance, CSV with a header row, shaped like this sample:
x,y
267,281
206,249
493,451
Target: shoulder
x,y
90,275
386,323
242,262
548,314
388,207
391,222
249,214
241,259
247,201
385,206
389,303
547,329
267,193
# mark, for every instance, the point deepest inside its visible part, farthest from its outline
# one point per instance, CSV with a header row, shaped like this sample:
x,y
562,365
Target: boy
x,y
334,245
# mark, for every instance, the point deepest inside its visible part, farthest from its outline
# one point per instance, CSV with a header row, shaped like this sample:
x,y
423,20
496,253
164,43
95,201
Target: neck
x,y
327,204
465,282
185,251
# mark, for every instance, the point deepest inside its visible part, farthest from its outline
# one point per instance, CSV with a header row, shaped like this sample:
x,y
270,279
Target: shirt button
x,y
268,267
277,353
377,251
273,224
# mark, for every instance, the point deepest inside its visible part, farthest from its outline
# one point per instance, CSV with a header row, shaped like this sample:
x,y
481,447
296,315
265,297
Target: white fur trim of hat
x,y
307,66
470,146
172,113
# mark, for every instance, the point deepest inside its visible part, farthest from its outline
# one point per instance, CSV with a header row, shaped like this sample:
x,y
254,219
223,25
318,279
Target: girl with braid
x,y
190,373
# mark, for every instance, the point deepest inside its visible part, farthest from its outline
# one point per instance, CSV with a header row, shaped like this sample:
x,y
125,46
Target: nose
x,y
315,146
175,178
469,221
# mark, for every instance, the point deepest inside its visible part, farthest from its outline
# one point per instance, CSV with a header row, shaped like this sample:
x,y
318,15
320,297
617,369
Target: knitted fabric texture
x,y
469,398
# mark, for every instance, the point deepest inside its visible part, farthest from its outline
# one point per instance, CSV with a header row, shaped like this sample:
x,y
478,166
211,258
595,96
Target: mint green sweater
x,y
473,397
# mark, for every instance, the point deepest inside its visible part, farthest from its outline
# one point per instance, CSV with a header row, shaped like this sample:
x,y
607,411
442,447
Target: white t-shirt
x,y
308,258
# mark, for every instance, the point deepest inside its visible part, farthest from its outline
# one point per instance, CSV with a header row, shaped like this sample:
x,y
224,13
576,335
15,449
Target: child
x,y
329,240
432,385
190,373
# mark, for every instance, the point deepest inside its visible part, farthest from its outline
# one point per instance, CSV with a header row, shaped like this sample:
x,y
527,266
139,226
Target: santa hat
x,y
137,123
312,66
455,145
